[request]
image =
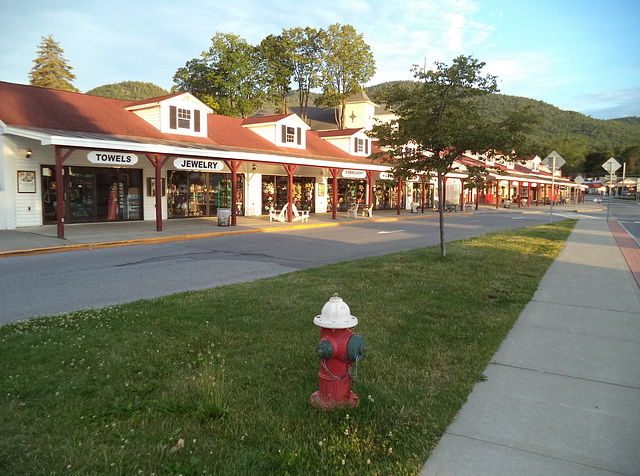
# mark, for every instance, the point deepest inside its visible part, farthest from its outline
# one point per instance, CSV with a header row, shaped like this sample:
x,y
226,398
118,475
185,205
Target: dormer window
x,y
184,118
361,146
291,132
180,114
291,135
181,119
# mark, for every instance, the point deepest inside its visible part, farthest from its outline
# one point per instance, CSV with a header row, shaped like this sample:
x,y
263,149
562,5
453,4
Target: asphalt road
x,y
49,284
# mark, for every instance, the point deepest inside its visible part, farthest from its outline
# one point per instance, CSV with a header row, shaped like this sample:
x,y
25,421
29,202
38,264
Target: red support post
x,y
60,193
291,169
234,165
158,163
497,194
528,194
423,192
370,175
334,192
519,193
399,195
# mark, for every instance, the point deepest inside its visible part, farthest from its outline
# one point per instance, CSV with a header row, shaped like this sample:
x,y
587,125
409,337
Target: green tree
x,y
573,150
593,163
439,119
306,57
51,69
347,64
227,77
631,156
277,66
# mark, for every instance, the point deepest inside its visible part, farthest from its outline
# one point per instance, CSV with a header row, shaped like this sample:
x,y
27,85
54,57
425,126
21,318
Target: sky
x,y
578,55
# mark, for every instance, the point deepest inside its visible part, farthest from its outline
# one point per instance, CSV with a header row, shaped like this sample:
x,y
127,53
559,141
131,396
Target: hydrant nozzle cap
x,y
335,315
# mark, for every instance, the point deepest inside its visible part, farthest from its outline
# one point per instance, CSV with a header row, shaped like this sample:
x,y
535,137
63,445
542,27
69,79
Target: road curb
x,y
628,247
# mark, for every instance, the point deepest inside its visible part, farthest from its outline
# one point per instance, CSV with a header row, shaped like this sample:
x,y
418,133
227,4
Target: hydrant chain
x,y
324,365
355,373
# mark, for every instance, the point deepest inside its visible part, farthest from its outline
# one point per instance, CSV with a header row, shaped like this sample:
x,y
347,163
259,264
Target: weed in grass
x,y
211,387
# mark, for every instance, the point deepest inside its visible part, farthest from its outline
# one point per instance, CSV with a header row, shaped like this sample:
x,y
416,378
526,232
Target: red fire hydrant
x,y
338,349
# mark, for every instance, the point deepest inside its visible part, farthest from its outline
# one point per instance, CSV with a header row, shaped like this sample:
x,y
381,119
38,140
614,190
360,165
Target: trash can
x,y
414,207
224,214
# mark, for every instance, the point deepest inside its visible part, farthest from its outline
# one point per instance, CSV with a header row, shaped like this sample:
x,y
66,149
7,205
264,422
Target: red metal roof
x,y
41,108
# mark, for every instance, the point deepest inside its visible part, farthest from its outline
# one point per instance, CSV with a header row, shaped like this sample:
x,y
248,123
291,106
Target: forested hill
x,y
129,90
601,135
554,124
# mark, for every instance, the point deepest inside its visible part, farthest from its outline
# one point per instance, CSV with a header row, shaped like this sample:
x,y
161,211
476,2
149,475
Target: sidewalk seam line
x,y
546,372
551,329
582,307
533,453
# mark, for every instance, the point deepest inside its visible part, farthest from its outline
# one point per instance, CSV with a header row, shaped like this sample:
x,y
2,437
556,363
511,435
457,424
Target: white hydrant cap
x,y
335,315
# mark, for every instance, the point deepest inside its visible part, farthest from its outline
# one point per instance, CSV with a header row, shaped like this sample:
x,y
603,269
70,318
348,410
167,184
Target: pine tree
x,y
51,69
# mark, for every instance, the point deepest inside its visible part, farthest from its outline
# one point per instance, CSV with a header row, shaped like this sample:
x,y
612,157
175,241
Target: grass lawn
x,y
218,381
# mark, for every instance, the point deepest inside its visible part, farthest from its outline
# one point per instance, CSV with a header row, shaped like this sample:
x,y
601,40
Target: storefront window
x,y
386,195
275,192
93,194
349,192
200,194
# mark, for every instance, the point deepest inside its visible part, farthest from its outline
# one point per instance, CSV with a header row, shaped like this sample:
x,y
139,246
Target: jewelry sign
x,y
198,164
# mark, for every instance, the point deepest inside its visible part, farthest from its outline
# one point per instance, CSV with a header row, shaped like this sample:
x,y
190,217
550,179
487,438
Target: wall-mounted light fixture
x,y
28,153
255,166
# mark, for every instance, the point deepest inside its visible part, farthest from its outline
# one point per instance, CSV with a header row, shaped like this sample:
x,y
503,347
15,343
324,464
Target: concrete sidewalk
x,y
562,395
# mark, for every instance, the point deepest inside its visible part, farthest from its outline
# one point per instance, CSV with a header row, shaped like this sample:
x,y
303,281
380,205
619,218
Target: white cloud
x,y
529,74
609,104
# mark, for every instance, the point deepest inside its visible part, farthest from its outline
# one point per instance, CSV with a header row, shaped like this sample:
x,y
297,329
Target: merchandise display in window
x,y
200,194
93,194
275,194
349,192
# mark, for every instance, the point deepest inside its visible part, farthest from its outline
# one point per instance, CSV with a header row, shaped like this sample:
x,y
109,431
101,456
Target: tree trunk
x,y
443,249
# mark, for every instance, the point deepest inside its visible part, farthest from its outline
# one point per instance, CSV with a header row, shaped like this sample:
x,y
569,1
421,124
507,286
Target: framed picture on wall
x,y
320,190
151,187
26,181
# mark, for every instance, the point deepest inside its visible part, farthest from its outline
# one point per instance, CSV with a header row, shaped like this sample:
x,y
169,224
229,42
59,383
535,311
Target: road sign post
x,y
610,166
553,161
576,193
